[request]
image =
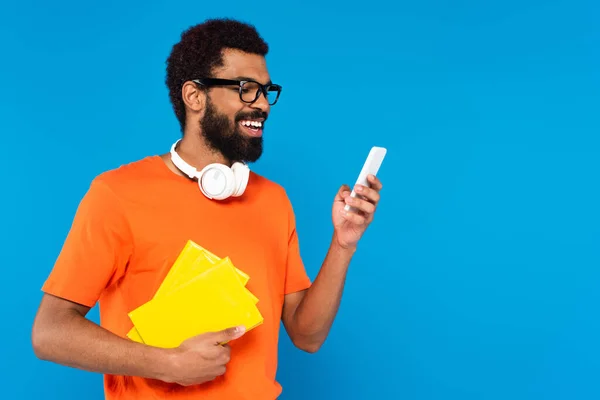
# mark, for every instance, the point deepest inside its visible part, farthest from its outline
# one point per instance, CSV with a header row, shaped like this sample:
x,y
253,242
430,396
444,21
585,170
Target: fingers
x,y
370,193
360,204
365,203
224,355
375,183
343,192
226,335
366,193
354,217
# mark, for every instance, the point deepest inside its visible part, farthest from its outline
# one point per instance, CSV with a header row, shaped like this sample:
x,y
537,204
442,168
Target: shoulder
x,y
110,189
130,172
268,189
103,205
128,177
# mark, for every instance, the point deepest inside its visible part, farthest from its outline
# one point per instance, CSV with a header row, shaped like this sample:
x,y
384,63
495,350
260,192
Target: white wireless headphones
x,y
216,181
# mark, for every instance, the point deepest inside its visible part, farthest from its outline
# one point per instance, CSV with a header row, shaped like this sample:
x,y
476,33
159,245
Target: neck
x,y
194,151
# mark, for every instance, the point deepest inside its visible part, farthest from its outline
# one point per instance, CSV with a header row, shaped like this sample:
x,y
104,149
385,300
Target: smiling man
x,y
134,220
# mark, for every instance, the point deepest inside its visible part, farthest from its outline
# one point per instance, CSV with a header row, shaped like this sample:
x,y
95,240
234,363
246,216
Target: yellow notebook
x,y
192,261
212,301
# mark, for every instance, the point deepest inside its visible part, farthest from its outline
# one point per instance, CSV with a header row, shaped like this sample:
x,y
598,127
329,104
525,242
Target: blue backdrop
x,y
479,277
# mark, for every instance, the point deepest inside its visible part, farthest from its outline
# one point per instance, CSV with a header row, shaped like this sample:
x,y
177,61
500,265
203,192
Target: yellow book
x,y
133,333
192,261
196,268
212,301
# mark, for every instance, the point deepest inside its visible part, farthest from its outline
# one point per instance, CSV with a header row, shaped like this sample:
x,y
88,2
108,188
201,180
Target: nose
x,y
261,103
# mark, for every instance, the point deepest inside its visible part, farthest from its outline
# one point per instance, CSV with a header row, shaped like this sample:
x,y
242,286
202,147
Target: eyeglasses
x,y
249,90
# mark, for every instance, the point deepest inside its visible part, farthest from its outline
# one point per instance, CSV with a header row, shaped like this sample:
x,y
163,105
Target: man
x,y
134,220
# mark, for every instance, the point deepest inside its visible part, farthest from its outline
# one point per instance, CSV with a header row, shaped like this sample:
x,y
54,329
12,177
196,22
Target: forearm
x,y
316,312
73,340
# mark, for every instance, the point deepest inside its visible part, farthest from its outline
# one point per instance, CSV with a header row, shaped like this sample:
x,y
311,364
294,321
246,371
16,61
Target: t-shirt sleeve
x,y
96,250
296,277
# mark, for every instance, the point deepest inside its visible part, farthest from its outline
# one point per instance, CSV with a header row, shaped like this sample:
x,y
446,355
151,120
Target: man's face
x,y
224,124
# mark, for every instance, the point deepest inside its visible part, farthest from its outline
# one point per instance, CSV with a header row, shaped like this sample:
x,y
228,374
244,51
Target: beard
x,y
226,138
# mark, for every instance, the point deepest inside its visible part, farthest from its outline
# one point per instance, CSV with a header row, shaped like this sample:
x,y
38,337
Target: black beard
x,y
226,139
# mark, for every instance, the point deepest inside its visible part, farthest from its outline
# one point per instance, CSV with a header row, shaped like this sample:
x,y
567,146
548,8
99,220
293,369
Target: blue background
x,y
479,277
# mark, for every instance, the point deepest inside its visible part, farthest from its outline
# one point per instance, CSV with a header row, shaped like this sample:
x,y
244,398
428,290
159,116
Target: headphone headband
x,y
182,165
223,182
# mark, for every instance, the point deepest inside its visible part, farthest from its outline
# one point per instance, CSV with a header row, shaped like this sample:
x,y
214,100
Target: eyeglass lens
x,y
250,92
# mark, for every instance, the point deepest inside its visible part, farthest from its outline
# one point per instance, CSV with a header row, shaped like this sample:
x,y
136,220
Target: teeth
x,y
255,124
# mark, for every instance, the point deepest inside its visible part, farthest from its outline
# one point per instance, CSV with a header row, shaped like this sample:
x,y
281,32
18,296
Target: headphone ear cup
x,y
241,173
217,181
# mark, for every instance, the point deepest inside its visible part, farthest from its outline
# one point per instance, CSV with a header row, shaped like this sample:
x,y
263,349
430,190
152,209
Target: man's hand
x,y
308,315
349,226
202,358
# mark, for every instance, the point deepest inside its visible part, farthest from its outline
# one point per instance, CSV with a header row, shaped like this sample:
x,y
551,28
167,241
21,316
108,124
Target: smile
x,y
253,128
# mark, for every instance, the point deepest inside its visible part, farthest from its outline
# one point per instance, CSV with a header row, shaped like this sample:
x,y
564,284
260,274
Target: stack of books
x,y
201,293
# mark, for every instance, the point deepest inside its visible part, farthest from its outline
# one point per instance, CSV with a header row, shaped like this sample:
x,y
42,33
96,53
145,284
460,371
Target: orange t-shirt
x,y
128,230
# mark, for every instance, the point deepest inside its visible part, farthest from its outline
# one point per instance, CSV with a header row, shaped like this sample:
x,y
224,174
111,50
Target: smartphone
x,y
370,167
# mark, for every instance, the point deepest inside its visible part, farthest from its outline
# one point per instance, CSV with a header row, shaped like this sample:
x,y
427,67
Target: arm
x,y
309,314
61,333
93,257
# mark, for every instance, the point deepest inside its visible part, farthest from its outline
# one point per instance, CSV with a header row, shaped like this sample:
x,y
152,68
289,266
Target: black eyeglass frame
x,y
209,82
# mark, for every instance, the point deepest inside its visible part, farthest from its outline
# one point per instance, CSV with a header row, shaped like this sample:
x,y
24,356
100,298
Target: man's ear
x,y
192,96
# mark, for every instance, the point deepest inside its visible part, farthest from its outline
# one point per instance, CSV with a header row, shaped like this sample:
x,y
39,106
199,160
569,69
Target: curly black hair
x,y
200,50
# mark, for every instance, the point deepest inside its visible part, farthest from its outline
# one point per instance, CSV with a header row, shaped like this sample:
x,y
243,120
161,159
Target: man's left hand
x,y
350,225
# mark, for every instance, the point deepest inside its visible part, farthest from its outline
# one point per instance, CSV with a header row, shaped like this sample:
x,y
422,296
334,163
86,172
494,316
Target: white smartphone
x,y
370,167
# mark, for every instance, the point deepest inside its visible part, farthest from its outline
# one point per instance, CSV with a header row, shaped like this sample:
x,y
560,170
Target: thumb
x,y
226,335
343,192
